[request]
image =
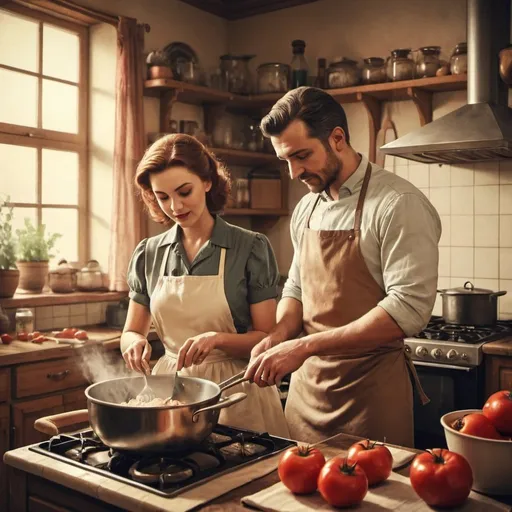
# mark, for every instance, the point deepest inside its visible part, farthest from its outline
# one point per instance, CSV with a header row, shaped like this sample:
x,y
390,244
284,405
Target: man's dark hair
x,y
317,109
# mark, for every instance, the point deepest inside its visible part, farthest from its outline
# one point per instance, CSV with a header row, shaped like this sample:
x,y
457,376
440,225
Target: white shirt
x,y
400,232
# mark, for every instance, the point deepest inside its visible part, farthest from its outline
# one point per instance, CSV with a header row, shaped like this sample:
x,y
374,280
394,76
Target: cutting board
x,y
96,336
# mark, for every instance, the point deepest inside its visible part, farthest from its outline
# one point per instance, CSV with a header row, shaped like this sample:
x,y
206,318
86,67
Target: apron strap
x,y
163,264
312,210
416,380
362,196
222,262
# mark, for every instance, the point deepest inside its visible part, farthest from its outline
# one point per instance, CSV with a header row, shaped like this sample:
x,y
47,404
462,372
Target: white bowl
x,y
490,459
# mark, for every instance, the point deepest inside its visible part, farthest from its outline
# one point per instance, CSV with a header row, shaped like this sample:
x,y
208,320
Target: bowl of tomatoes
x,y
483,437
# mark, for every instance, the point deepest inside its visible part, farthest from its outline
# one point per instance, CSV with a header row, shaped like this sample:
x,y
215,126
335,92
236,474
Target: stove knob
x,y
421,351
452,354
464,356
408,349
436,353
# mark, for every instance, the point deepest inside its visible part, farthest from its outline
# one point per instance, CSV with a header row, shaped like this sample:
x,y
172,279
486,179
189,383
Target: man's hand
x,y
195,349
269,367
264,345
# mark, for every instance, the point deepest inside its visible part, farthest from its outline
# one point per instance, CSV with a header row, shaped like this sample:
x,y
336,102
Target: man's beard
x,y
326,176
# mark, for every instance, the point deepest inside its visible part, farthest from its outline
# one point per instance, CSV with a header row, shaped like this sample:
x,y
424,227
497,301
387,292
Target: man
x,y
363,276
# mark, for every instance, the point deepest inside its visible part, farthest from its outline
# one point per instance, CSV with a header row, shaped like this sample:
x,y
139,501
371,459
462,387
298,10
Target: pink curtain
x,y
128,220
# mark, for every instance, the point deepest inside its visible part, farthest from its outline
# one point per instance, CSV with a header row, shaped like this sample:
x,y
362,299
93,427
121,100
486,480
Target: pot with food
x,y
124,422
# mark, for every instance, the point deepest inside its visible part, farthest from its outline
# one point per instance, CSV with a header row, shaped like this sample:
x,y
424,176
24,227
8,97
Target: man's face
x,y
309,160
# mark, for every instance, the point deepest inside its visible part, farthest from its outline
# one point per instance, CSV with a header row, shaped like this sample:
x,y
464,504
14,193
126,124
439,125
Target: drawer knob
x,y
59,375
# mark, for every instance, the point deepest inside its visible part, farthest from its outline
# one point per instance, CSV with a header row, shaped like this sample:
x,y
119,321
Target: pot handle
x,y
52,425
498,294
222,404
234,380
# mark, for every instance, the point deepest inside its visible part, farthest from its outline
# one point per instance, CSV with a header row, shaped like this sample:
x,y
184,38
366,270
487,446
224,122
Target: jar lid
x,y
430,50
273,65
63,267
92,266
374,61
461,48
401,52
467,289
341,62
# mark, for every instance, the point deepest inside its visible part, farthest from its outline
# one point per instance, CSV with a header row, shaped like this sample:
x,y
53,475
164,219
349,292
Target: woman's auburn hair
x,y
185,151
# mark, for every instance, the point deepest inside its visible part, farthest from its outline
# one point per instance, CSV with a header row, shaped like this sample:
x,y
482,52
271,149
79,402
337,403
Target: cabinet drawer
x,y
48,376
5,384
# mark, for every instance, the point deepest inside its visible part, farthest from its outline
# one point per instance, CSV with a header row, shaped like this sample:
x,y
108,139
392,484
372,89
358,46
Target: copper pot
x,y
506,65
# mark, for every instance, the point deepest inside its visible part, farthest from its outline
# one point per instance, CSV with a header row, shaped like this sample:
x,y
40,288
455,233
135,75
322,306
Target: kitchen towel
x,y
395,494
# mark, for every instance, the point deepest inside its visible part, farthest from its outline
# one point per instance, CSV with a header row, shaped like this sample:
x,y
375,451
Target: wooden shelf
x,y
388,91
274,212
241,157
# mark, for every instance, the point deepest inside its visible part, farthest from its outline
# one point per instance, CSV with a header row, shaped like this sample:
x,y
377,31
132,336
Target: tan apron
x,y
185,306
366,395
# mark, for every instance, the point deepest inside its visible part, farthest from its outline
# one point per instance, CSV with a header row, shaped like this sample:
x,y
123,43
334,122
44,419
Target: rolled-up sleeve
x,y
292,287
410,230
136,276
262,271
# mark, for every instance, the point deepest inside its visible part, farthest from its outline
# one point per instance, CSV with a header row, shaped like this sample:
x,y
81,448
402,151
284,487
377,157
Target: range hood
x,y
482,129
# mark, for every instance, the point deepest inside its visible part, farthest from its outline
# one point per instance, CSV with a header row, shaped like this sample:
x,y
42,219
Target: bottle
x,y
299,65
24,321
320,75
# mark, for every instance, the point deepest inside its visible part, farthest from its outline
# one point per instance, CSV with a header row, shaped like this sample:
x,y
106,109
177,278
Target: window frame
x,y
40,138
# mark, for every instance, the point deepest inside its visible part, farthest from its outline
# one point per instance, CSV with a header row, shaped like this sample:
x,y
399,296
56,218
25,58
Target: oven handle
x,y
447,366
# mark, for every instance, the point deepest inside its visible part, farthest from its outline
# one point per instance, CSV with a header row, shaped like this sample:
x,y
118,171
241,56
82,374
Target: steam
x,y
97,365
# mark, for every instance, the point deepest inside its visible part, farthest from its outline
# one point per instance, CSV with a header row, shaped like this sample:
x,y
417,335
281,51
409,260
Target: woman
x,y
209,287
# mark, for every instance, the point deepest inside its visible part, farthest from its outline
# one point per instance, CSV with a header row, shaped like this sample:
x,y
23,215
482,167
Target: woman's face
x,y
181,194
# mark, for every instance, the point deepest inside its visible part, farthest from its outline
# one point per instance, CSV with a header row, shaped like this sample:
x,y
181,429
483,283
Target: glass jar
x,y
459,60
400,66
24,321
273,77
342,73
236,70
374,70
428,61
299,64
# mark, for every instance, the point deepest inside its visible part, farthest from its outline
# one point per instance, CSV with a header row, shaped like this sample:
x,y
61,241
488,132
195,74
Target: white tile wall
x,y
475,205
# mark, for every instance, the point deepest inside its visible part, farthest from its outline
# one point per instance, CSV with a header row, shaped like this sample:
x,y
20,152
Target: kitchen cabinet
x,y
4,446
498,373
420,91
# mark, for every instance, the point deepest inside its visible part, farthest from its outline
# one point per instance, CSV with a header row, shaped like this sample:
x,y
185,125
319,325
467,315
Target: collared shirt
x,y
400,232
251,274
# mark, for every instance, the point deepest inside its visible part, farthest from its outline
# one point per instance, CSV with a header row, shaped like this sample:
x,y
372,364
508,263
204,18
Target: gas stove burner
x,y
167,473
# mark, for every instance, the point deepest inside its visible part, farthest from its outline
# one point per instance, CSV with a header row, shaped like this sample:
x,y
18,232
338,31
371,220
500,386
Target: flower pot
x,y
8,283
32,276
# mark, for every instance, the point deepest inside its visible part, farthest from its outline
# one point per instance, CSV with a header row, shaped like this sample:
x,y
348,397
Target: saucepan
x,y
149,429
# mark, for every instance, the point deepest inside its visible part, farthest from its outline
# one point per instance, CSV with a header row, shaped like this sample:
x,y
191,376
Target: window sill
x,y
50,299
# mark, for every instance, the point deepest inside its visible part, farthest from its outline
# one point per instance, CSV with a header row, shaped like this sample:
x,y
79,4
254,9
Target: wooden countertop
x,y
26,352
499,348
216,495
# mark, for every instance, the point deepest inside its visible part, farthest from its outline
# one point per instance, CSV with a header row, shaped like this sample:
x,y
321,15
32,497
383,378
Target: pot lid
x,y
467,289
63,267
92,267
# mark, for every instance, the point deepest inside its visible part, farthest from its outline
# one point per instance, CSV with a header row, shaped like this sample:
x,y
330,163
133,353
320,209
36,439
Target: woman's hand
x,y
195,349
137,356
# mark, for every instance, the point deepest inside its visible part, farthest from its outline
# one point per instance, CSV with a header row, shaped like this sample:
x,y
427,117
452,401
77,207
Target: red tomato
x,y
375,459
498,409
6,339
38,339
81,335
299,467
68,332
476,424
441,478
341,483
36,334
22,336
74,330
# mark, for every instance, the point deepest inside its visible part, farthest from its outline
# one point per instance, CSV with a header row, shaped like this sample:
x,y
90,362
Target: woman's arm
x,y
135,347
263,318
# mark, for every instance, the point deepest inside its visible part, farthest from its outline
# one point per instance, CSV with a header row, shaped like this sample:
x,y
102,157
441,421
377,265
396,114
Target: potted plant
x,y
9,274
34,248
158,65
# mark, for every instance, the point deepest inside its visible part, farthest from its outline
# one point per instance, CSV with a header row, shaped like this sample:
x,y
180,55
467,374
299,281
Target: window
x,y
43,124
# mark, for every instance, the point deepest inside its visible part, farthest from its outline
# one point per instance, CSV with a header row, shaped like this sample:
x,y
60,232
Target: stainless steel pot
x,y
149,429
468,305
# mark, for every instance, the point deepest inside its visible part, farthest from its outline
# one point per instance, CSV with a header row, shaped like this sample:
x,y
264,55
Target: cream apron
x,y
366,395
185,306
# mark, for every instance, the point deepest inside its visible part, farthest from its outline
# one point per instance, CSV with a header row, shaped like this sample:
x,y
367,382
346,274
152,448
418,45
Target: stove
x,y
165,474
459,345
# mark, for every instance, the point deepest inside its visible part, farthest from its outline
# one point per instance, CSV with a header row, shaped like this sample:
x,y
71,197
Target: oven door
x,y
449,388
